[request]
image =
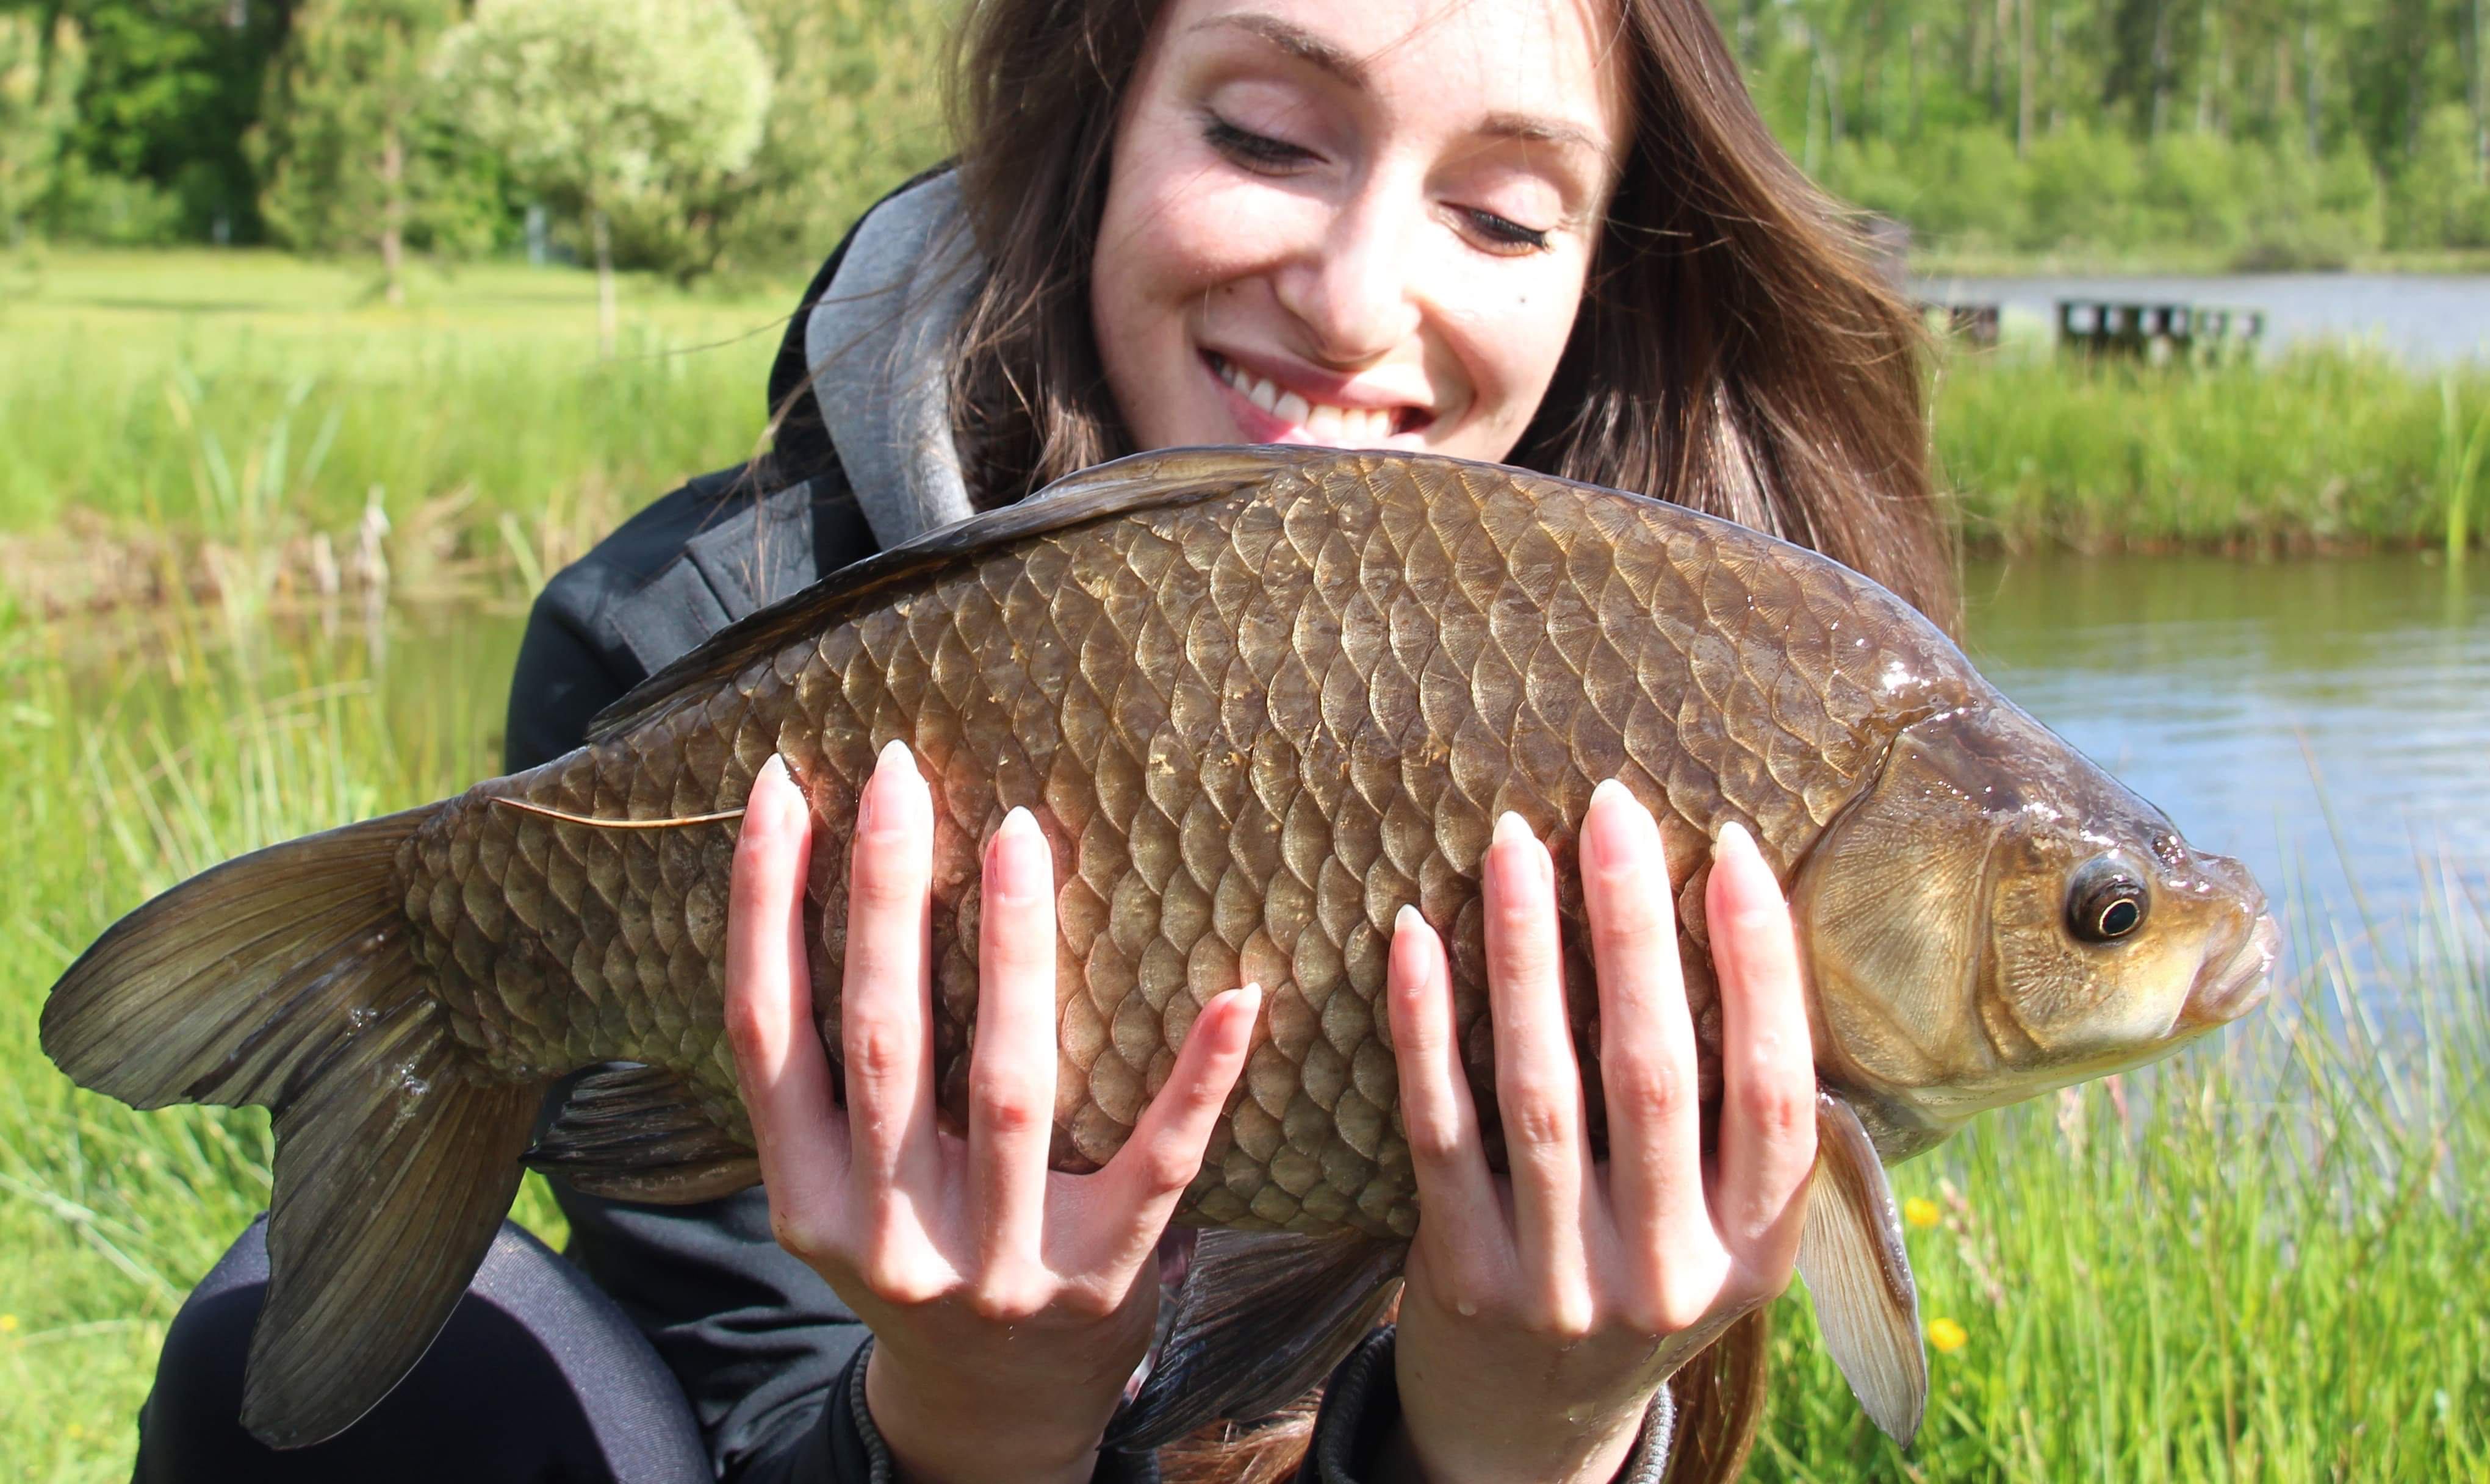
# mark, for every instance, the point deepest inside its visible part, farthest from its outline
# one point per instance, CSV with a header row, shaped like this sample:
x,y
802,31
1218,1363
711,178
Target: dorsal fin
x,y
1145,481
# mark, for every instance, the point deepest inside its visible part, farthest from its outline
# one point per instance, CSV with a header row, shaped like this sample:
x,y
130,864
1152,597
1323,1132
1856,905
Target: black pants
x,y
538,1379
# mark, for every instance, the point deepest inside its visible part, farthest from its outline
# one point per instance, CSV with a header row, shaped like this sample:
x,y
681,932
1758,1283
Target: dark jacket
x,y
769,1358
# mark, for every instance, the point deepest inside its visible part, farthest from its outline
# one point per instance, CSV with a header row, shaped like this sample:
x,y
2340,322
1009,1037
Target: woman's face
x,y
1361,225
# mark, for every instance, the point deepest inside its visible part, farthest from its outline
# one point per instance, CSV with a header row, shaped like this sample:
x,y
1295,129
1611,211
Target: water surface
x,y
2327,721
2427,318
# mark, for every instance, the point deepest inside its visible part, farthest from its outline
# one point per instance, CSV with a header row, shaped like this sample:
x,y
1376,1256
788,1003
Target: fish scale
x,y
1252,727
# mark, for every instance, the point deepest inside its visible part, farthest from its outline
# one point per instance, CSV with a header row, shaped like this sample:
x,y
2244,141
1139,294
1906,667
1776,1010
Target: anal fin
x,y
635,1133
1859,1273
1262,1318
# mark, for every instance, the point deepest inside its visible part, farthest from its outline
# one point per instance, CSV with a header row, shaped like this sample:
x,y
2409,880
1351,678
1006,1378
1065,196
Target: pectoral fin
x,y
1860,1275
635,1133
1261,1319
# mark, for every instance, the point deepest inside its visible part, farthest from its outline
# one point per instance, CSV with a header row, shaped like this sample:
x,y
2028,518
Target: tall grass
x,y
2319,447
2259,1263
135,758
253,405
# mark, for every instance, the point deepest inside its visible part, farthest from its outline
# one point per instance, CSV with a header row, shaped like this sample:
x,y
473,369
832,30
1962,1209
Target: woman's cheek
x,y
1504,324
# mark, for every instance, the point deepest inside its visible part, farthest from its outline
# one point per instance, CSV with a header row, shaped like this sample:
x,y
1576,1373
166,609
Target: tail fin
x,y
285,979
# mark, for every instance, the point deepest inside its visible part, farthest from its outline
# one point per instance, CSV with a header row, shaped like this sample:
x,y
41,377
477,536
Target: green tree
x,y
39,83
340,147
611,106
171,90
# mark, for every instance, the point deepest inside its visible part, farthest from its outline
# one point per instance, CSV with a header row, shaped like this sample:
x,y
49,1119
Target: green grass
x,y
2265,1267
166,413
2321,448
254,401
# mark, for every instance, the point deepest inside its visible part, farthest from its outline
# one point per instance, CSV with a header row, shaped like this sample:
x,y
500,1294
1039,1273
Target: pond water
x,y
2423,318
2326,721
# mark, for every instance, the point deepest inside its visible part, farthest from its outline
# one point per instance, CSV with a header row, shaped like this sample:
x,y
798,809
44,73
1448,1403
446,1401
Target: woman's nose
x,y
1354,288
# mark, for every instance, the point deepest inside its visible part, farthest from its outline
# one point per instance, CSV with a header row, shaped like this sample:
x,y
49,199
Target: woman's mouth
x,y
1285,416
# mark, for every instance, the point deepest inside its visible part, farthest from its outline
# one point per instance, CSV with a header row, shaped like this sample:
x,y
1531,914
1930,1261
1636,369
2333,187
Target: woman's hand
x,y
1008,1303
1544,1309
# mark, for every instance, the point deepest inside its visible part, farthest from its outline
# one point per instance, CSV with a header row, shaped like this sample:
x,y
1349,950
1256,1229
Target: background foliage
x,y
2258,133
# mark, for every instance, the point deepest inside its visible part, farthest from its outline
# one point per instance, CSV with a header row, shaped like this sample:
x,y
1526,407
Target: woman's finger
x,y
1538,1083
1140,1186
1768,1066
1647,1071
1011,1069
884,1009
1454,1189
778,1056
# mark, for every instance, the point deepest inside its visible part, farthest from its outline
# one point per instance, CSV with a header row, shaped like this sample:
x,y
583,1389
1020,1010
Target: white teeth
x,y
1349,425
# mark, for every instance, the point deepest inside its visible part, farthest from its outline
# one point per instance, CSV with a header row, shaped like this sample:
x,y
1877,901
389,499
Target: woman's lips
x,y
1268,414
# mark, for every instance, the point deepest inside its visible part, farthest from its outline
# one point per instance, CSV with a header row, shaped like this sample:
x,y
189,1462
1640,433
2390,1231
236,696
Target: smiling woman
x,y
1547,232
1555,233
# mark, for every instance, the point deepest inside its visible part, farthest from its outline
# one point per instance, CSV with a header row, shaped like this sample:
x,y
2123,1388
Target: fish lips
x,y
2231,985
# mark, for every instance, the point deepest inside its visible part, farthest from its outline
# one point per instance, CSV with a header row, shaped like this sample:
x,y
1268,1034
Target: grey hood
x,y
879,341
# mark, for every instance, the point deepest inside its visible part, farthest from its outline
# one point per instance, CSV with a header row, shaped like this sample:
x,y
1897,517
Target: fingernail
x,y
1252,996
1732,838
1009,857
1407,920
1509,828
1601,847
894,755
793,801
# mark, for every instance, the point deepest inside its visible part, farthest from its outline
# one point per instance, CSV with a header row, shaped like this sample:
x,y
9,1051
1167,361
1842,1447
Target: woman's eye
x,y
1254,152
1508,235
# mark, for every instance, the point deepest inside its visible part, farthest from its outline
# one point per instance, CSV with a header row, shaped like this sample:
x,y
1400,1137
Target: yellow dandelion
x,y
1920,1211
1946,1335
8,1324
78,1430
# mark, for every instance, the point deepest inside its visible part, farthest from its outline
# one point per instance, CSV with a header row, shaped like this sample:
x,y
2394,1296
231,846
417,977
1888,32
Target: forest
x,y
2202,133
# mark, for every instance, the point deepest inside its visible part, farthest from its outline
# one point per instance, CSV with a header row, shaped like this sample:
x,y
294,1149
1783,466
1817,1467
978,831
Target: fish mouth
x,y
2230,986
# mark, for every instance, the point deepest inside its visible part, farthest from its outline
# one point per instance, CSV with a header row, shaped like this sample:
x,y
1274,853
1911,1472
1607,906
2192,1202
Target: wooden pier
x,y
2158,333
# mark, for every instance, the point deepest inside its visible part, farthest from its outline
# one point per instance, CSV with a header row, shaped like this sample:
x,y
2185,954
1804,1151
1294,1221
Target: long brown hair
x,y
1735,351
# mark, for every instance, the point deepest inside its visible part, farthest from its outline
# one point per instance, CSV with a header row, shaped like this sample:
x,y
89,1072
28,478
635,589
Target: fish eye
x,y
2105,902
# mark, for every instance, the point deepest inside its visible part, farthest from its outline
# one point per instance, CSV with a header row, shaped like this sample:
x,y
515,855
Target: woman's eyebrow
x,y
1534,128
1296,41
1305,46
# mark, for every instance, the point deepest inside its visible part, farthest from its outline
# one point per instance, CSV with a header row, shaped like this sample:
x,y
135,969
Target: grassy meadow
x,y
2258,1262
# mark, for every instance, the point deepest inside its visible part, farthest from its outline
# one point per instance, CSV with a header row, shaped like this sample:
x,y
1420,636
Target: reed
x,y
2459,465
200,420
2260,1261
2323,447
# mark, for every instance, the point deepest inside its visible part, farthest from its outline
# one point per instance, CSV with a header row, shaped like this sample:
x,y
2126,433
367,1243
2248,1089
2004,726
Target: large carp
x,y
1259,699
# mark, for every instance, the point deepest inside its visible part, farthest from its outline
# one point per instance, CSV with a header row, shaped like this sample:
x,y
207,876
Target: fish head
x,y
1995,916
